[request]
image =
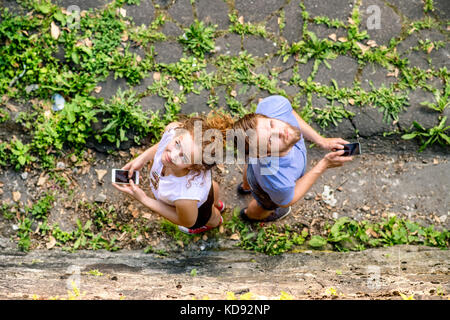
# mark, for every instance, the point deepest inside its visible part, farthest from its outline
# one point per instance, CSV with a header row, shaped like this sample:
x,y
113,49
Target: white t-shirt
x,y
170,188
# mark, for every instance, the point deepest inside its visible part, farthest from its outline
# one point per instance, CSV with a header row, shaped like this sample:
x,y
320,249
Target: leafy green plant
x,y
4,153
20,154
389,103
430,136
240,27
198,38
317,242
331,114
75,120
442,101
40,209
270,240
4,115
428,6
24,233
123,114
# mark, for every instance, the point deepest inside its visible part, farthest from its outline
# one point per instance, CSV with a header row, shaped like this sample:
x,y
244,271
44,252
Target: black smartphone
x,y
352,149
121,176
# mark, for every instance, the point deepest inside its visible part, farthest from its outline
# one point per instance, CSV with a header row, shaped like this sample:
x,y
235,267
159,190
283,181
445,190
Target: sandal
x,y
198,230
278,214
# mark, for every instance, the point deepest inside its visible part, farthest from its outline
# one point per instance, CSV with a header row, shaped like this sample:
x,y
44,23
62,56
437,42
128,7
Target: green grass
x,y
344,235
102,44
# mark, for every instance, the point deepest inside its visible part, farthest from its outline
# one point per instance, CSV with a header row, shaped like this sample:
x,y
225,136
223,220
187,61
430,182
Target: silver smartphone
x,y
121,176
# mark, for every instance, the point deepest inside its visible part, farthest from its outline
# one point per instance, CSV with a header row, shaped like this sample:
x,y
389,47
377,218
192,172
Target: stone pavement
x,y
284,24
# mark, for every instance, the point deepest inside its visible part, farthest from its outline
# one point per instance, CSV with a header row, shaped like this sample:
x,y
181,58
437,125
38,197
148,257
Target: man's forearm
x,y
306,182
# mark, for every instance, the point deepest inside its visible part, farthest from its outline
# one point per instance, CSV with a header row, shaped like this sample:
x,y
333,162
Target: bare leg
x,y
245,184
256,212
215,216
216,193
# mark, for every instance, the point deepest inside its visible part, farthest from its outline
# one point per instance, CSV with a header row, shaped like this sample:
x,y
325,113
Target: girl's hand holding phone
x,y
134,165
132,190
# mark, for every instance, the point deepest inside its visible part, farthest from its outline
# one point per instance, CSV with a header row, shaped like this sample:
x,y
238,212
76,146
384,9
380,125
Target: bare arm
x,y
184,213
331,144
302,185
308,132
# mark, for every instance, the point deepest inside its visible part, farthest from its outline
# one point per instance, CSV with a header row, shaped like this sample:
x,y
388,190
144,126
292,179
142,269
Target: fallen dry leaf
x,y
342,39
100,173
156,76
122,12
11,107
332,36
394,73
372,43
51,243
234,236
54,31
241,19
42,180
430,48
351,101
369,231
147,216
221,167
363,48
16,195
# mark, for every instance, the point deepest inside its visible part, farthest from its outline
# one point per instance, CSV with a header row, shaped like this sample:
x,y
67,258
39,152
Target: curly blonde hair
x,y
216,119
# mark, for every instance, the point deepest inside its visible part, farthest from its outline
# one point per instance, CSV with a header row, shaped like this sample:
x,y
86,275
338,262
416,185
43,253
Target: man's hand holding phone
x,y
332,144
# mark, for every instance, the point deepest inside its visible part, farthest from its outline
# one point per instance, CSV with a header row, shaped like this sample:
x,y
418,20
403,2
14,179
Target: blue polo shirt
x,y
277,175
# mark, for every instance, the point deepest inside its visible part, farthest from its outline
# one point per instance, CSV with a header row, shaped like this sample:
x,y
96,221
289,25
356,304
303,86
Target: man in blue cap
x,y
275,173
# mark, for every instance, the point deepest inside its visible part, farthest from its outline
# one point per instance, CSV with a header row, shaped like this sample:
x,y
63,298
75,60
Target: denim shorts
x,y
258,193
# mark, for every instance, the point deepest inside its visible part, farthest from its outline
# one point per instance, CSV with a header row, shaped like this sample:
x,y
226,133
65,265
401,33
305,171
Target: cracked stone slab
x,y
196,103
412,9
442,9
83,4
323,32
182,12
337,9
377,75
292,31
168,52
142,13
259,46
110,87
344,129
416,112
229,44
213,12
369,121
170,29
256,10
153,103
389,21
343,70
